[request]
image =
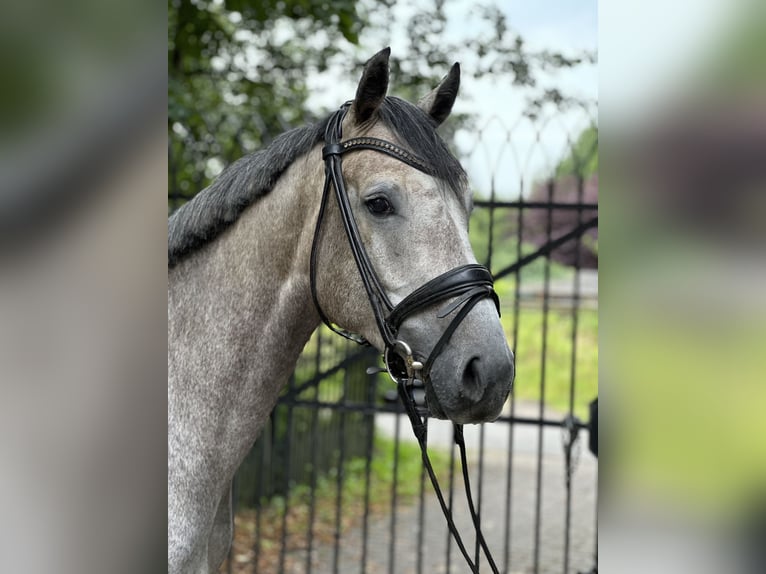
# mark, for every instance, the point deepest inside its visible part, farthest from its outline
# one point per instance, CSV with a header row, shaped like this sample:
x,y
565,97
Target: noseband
x,y
467,285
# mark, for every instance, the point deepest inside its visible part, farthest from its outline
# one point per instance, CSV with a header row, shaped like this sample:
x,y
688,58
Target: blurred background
x,y
682,116
89,170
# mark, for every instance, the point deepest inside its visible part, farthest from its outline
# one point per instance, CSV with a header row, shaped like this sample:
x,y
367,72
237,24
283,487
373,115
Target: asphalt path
x,y
511,525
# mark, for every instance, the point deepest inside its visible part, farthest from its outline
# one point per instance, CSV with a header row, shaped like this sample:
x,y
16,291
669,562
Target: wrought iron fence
x,y
329,486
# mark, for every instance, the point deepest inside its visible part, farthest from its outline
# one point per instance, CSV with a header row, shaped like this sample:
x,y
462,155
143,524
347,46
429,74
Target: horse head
x,y
410,208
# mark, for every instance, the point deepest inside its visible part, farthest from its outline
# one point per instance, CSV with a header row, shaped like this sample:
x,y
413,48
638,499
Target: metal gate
x,y
335,483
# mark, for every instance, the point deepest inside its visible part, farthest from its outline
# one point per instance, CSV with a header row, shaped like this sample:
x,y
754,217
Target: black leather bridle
x,y
466,285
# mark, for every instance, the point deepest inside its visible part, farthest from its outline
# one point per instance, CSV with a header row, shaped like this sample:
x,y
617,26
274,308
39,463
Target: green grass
x,y
354,478
557,366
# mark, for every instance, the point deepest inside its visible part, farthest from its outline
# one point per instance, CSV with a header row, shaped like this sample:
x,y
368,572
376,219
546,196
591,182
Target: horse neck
x,y
268,255
240,310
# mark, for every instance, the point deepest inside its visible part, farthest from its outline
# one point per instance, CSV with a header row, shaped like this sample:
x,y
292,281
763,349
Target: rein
x,y
467,285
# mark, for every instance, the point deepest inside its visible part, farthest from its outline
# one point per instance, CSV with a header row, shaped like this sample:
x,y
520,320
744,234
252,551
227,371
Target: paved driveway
x,y
514,554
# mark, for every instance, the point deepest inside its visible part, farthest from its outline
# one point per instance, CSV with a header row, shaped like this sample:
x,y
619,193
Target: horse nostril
x,y
472,387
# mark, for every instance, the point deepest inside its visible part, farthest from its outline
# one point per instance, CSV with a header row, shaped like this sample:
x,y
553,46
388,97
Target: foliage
x,y
582,160
238,70
236,79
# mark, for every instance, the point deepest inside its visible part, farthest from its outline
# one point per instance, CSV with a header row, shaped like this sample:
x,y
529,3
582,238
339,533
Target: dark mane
x,y
215,208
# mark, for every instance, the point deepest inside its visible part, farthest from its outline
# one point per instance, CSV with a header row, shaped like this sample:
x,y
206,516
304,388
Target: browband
x,y
376,144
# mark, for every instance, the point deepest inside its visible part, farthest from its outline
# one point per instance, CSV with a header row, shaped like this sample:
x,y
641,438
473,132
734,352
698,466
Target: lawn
x,y
544,357
553,350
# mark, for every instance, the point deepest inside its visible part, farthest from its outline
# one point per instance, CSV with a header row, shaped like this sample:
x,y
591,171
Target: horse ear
x,y
438,102
372,87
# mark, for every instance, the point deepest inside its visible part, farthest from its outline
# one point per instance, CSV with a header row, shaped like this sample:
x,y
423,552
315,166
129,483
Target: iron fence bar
x,y
549,246
543,365
288,452
367,477
312,488
490,231
479,493
350,407
511,427
559,296
267,434
340,476
573,374
538,422
314,450
374,409
571,437
230,553
395,478
508,501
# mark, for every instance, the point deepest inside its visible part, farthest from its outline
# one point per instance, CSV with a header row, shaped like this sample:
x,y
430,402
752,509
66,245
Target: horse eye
x,y
379,206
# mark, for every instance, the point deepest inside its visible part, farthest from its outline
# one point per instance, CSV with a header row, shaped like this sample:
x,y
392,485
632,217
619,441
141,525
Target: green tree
x,y
235,79
238,69
582,160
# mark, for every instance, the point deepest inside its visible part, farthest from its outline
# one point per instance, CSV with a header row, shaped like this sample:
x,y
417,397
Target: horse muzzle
x,y
472,390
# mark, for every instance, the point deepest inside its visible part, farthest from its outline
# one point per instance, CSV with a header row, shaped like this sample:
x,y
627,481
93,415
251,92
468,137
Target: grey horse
x,y
239,296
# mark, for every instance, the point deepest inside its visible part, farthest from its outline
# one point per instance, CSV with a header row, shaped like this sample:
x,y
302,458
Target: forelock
x,y
415,129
